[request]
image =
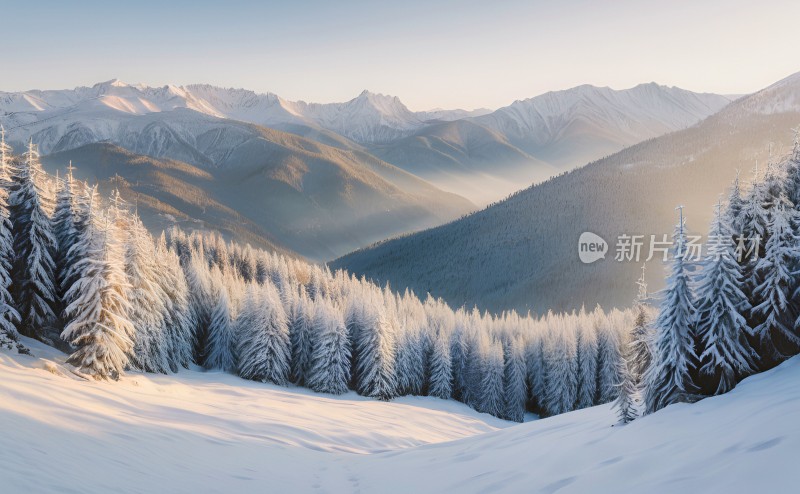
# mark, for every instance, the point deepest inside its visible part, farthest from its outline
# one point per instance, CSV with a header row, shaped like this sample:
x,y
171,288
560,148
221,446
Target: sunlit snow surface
x,y
211,432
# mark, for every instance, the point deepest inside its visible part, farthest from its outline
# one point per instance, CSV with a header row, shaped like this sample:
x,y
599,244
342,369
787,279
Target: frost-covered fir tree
x,y
329,371
9,317
441,368
775,332
147,301
201,302
725,354
609,352
668,378
301,329
86,206
515,393
65,227
34,244
177,313
561,368
492,387
627,392
221,342
587,361
98,325
410,361
640,355
535,368
376,354
262,330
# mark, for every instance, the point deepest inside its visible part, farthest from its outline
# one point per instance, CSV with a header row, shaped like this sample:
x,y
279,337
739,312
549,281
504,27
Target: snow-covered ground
x,y
212,432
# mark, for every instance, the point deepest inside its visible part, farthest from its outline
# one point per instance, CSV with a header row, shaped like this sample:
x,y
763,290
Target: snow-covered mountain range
x,y
577,125
440,157
522,252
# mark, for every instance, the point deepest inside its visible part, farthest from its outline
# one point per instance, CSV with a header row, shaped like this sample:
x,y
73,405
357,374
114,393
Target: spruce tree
x,y
627,392
491,384
561,368
262,331
34,244
441,368
376,354
98,324
329,370
668,378
515,393
775,333
9,317
725,354
587,361
301,329
221,342
147,302
65,227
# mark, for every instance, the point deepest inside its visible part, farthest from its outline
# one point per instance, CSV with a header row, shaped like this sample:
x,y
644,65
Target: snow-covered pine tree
x,y
376,354
561,367
33,269
177,313
262,331
535,368
725,354
492,399
65,227
220,350
98,324
301,329
515,393
668,378
587,361
201,301
329,370
775,333
641,337
793,172
410,360
627,392
609,352
441,369
148,302
9,317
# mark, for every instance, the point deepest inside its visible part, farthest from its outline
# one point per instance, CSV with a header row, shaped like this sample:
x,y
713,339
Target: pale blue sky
x,y
429,53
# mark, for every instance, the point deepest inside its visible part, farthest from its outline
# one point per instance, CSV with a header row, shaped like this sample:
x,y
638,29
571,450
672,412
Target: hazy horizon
x,y
451,54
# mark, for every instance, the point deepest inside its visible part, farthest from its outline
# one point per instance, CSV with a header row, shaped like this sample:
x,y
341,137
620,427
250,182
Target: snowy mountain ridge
x,y
586,114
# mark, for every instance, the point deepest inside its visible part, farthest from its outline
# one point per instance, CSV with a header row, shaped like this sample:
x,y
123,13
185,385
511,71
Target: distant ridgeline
x,y
84,274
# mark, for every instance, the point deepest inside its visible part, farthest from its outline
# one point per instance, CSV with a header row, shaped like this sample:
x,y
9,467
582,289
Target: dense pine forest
x,y
82,273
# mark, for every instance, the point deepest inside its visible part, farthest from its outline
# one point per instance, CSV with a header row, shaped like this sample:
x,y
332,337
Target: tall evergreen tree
x,y
221,343
587,362
626,398
263,336
9,317
376,355
65,227
329,370
147,301
725,354
775,333
98,324
34,244
668,378
301,334
441,367
515,393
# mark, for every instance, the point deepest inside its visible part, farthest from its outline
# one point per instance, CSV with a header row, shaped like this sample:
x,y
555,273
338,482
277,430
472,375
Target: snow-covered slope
x,y
575,126
212,432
